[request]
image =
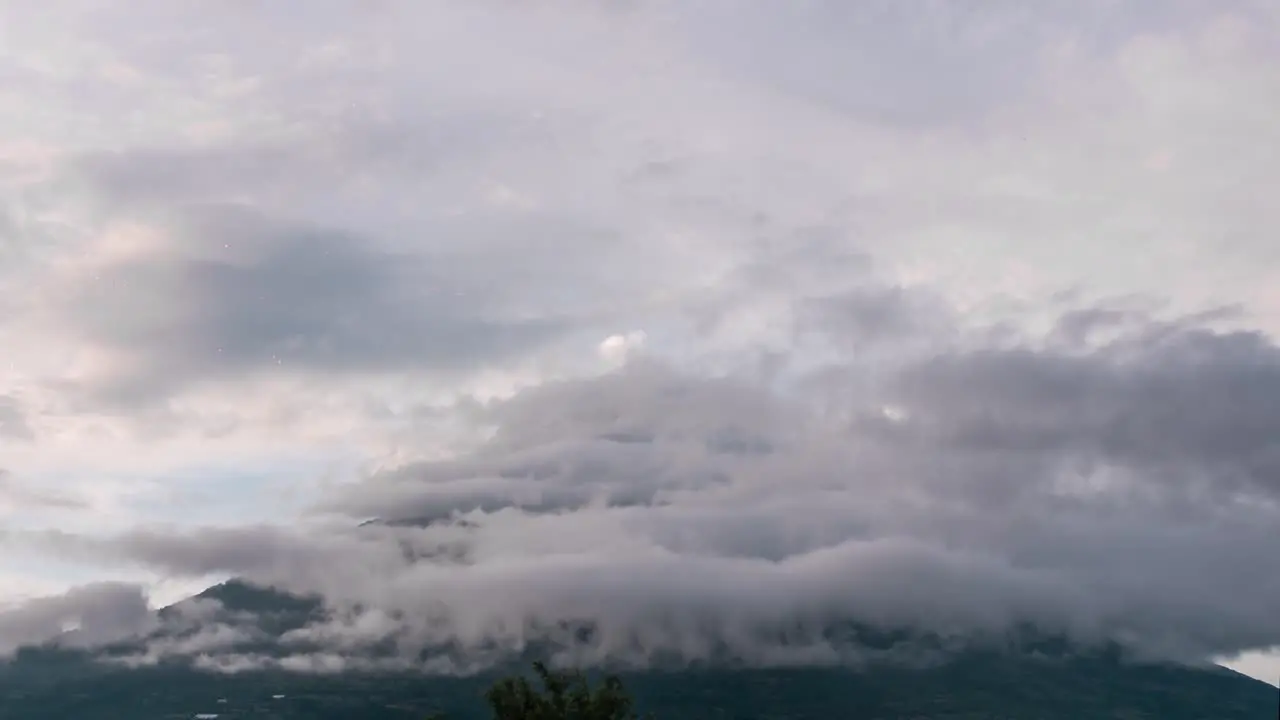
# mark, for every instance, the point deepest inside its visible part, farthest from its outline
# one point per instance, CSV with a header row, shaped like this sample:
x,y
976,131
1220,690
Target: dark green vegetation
x,y
563,695
1038,679
50,688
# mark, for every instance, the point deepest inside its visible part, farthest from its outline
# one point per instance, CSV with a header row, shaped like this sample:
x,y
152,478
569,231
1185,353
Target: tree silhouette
x,y
564,695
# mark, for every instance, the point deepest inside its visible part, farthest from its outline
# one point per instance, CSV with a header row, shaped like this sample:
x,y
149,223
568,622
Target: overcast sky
x,y
682,317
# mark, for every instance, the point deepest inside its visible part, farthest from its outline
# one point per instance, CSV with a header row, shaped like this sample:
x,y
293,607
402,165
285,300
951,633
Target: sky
x,y
684,318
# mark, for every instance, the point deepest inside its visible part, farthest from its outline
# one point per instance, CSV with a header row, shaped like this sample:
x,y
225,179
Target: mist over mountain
x,y
821,338
675,513
880,673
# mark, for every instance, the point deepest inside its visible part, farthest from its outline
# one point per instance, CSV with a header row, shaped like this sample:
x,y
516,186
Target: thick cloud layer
x,y
1119,488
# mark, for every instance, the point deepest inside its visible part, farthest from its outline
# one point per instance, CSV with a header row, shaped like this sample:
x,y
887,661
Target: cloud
x,y
839,379
23,496
1084,482
1191,407
13,421
85,616
1119,490
918,64
228,292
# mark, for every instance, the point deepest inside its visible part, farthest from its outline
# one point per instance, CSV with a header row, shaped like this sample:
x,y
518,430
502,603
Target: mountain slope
x,y
976,688
979,682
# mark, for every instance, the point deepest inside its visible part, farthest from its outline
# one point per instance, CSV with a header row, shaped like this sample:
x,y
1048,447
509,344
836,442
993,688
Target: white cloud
x,y
616,348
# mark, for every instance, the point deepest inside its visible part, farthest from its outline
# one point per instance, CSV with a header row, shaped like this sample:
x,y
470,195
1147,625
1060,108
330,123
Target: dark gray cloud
x,y
85,616
263,553
94,615
1123,490
1187,407
629,438
13,420
234,293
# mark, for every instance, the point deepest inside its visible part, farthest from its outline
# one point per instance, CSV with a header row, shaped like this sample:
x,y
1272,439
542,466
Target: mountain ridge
x,y
1030,676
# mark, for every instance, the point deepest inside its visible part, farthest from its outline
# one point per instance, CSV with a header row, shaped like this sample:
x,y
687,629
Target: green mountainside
x,y
1050,683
